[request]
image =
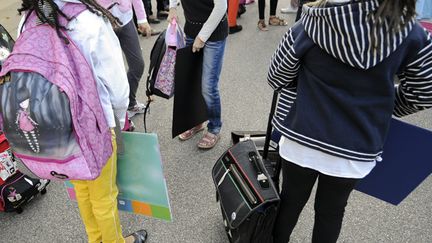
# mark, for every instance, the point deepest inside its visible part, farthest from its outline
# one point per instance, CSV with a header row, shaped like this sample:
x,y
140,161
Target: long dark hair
x,y
398,13
48,12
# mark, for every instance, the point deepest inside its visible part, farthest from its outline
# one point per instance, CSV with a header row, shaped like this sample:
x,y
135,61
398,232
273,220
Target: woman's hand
x,y
172,14
198,44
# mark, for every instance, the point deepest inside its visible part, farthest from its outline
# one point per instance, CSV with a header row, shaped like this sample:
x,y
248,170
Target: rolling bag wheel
x,y
19,210
43,192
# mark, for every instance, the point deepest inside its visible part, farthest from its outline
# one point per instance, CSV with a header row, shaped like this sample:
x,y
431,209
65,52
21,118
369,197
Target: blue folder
x,y
407,162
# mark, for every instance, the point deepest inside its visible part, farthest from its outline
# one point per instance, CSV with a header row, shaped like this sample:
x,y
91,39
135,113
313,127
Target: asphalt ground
x,y
246,99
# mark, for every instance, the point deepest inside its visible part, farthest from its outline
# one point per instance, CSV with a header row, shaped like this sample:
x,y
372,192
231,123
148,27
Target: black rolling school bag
x,y
18,190
247,195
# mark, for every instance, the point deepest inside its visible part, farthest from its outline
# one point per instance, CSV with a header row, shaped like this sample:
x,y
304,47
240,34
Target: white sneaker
x,y
288,10
137,109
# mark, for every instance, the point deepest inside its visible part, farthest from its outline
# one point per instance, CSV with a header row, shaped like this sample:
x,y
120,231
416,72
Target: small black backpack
x,y
156,55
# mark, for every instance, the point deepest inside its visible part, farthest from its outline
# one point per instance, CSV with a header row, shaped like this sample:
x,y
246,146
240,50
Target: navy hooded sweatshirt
x,y
335,73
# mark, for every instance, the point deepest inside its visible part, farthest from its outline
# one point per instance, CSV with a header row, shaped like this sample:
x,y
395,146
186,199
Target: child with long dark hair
x,y
335,72
92,32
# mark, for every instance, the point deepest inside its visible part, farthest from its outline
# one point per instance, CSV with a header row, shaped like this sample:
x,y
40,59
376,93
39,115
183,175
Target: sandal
x,y
208,141
276,21
262,26
191,132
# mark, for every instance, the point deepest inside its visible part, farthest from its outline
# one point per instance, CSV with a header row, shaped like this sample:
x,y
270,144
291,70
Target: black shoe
x,y
241,10
153,20
140,236
235,29
162,15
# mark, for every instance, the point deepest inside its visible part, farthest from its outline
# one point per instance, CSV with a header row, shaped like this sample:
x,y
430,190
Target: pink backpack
x,y
49,103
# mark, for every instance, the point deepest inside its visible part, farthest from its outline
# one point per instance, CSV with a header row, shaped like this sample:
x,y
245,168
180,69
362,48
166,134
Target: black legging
x,y
330,200
261,8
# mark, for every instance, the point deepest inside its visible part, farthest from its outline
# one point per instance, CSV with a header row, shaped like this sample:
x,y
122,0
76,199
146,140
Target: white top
x,y
98,43
123,10
322,162
218,12
124,17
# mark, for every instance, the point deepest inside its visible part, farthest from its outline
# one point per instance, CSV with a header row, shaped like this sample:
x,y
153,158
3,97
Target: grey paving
x,y
246,100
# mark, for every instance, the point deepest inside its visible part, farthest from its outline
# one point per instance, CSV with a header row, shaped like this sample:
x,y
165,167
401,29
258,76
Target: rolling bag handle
x,y
269,126
261,177
278,165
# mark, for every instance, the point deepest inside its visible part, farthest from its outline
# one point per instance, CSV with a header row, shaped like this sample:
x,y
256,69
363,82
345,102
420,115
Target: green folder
x,y
140,179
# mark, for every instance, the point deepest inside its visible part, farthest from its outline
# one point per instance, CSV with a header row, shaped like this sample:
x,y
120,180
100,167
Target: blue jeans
x,y
212,66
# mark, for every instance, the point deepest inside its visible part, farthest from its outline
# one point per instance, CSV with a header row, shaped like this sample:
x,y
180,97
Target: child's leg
x,y
261,8
129,42
330,201
233,6
212,67
297,185
98,206
273,7
82,195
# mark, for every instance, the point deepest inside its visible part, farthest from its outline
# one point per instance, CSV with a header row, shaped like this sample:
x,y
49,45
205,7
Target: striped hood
x,y
340,31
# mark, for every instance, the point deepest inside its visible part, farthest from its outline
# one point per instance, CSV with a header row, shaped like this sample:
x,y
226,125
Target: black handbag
x,y
247,195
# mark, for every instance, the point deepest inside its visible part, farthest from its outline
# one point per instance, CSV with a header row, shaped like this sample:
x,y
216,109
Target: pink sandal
x,y
191,132
208,141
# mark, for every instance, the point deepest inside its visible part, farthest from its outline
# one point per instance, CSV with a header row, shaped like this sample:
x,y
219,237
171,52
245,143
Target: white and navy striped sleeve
x,y
414,93
284,64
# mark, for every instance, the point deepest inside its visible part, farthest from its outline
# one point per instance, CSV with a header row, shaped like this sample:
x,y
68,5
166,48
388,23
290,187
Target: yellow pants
x,y
97,202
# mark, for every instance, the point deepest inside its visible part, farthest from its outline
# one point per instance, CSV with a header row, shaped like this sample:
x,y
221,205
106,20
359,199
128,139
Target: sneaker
x,y
288,10
137,109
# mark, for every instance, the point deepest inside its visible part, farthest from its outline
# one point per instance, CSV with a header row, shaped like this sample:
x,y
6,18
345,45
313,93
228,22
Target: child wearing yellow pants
x,y
97,202
92,32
